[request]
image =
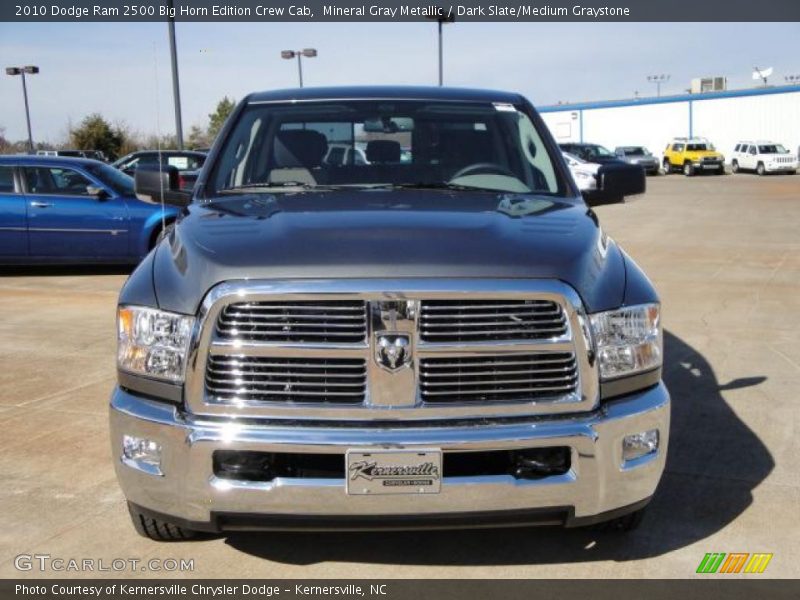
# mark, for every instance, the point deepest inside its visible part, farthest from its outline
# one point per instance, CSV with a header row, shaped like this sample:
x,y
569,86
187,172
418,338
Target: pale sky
x,y
111,68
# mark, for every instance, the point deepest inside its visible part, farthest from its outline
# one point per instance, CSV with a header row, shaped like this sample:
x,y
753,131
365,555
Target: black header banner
x,y
388,11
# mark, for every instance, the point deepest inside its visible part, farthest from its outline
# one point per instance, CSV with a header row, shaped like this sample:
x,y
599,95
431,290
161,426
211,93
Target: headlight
x,y
153,342
628,340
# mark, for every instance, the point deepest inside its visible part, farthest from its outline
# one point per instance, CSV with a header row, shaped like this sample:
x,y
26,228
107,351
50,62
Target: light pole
x,y
441,19
176,89
658,80
30,70
299,54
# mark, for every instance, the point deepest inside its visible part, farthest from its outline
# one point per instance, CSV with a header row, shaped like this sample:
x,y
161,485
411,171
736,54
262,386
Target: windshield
x,y
699,147
368,144
637,151
117,180
771,149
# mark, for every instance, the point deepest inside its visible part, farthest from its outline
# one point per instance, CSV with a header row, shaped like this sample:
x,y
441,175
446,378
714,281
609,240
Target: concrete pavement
x,y
724,253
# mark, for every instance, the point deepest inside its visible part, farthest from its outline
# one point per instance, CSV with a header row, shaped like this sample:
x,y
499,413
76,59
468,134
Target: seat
x,y
297,156
383,151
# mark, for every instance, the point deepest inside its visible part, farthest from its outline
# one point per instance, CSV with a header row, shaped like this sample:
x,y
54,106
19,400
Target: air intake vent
x,y
507,377
302,380
490,320
332,321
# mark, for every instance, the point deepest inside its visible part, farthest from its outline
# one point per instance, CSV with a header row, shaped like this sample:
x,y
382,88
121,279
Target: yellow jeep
x,y
692,156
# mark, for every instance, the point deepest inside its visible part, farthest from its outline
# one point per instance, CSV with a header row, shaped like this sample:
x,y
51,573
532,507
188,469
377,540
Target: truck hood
x,y
386,234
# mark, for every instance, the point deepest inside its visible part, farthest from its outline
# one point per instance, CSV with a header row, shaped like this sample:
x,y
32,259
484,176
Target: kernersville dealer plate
x,y
417,471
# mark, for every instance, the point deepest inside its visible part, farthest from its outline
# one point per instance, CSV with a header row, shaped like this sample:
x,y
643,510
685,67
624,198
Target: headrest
x,y
465,147
300,148
383,151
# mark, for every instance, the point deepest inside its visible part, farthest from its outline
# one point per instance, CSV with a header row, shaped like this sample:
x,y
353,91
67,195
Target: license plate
x,y
394,471
711,166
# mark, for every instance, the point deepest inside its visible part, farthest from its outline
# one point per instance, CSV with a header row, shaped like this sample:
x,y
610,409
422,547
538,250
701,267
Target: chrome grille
x,y
268,379
333,321
490,320
506,377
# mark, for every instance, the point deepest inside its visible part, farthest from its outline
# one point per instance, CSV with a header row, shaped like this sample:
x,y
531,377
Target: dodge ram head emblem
x,y
393,351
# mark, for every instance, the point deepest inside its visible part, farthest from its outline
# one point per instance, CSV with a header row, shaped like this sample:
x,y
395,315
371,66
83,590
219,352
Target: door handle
x,y
37,204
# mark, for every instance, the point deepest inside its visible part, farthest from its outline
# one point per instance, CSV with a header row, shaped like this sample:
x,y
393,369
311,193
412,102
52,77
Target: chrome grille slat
x,y
274,379
326,321
525,390
478,304
442,321
490,379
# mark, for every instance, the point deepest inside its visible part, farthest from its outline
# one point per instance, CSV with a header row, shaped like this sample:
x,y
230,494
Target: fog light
x,y
142,454
638,445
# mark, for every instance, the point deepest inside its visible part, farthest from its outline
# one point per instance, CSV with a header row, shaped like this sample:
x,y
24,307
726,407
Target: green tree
x,y
198,138
217,119
95,133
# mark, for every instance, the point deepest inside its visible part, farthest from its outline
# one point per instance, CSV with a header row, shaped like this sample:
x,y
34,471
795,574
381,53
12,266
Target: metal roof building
x,y
725,118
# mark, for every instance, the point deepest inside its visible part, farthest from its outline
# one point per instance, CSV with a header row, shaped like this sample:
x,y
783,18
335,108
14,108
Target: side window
x,y
56,180
753,150
677,148
6,180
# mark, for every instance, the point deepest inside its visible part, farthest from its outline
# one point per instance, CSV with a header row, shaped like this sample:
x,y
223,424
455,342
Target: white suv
x,y
763,157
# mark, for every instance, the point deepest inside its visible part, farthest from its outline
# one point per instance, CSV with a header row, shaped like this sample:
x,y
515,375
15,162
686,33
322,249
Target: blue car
x,y
73,210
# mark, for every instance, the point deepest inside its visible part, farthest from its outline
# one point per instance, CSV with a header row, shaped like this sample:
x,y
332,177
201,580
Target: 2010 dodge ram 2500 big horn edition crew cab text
x,y
442,336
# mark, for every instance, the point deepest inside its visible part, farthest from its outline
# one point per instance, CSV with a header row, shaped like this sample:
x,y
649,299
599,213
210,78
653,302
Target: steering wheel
x,y
484,167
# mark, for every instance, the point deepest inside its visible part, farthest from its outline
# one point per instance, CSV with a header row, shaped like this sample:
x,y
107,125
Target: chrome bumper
x,y
598,482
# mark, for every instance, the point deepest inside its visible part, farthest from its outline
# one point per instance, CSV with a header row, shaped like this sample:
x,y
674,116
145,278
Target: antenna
x,y
762,74
158,144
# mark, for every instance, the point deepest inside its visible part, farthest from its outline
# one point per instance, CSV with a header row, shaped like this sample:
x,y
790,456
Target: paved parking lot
x,y
724,253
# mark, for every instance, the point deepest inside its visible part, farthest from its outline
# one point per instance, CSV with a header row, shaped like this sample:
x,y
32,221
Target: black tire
x,y
156,529
688,169
622,524
667,167
734,166
721,170
760,169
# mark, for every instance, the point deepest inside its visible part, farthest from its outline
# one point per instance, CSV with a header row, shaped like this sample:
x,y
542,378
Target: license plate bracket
x,y
395,471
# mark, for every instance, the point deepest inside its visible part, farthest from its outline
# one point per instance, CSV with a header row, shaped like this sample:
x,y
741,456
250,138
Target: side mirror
x,y
97,192
156,184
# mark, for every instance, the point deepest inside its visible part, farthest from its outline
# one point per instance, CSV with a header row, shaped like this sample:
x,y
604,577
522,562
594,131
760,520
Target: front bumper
x,y
786,167
599,483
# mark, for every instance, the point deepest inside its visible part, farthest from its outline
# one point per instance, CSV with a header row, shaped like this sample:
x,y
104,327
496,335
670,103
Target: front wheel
x,y
688,169
761,170
735,166
667,167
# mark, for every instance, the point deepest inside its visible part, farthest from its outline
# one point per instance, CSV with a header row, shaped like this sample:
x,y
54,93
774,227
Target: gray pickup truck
x,y
442,336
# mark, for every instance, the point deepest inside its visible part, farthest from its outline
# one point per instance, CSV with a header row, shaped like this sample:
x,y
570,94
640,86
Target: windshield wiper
x,y
282,185
437,185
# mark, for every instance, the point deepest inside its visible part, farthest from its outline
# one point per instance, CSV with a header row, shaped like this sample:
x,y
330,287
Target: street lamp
x,y
290,54
441,19
658,80
30,70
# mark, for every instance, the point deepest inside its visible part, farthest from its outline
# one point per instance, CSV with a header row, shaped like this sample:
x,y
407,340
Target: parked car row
x,y
187,162
74,210
603,176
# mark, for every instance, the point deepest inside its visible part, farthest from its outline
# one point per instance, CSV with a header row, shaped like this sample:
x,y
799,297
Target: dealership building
x,y
724,117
